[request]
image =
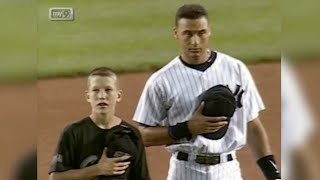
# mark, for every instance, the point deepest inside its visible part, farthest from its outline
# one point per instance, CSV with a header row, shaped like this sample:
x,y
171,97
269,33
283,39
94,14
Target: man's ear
x,y
175,31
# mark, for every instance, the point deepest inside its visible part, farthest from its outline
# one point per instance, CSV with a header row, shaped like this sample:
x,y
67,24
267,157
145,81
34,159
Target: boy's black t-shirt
x,y
82,143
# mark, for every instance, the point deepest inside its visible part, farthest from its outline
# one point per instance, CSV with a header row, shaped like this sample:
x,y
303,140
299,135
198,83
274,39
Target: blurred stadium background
x,y
137,35
132,36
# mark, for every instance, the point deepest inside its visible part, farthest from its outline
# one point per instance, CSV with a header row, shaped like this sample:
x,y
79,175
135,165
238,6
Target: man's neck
x,y
105,121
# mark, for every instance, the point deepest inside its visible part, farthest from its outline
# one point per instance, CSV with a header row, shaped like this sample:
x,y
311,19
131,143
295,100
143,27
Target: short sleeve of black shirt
x,y
140,170
64,154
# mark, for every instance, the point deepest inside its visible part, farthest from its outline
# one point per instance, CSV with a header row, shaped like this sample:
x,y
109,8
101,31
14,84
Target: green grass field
x,y
18,41
126,35
137,35
300,29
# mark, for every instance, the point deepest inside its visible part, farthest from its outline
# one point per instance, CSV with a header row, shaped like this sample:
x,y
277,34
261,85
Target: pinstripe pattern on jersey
x,y
183,170
172,94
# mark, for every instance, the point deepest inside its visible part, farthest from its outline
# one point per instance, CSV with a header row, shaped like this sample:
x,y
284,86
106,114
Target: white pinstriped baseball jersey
x,y
296,117
182,170
172,94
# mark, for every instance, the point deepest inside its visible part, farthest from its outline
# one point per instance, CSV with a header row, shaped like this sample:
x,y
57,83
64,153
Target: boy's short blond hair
x,y
104,72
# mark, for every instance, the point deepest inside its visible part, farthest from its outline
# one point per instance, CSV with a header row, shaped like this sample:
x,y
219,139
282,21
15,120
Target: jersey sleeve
x,y
151,109
64,153
251,100
297,117
140,170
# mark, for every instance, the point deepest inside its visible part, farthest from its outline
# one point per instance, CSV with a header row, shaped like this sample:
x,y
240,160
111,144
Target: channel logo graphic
x,y
61,14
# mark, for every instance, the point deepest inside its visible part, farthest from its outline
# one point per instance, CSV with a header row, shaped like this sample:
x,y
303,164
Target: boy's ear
x,y
87,96
119,95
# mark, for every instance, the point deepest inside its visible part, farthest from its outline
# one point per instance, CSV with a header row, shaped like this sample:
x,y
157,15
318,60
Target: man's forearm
x,y
88,173
258,139
259,145
155,136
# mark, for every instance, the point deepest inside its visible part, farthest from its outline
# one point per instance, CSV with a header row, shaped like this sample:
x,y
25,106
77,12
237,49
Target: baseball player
x,y
298,129
101,146
169,111
27,168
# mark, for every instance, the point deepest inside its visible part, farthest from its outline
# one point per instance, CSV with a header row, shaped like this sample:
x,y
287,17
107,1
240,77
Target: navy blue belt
x,y
207,159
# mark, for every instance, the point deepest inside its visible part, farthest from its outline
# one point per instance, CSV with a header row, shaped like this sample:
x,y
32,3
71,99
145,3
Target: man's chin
x,y
195,56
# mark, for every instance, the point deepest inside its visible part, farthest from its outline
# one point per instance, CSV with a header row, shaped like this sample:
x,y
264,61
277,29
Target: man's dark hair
x,y
191,11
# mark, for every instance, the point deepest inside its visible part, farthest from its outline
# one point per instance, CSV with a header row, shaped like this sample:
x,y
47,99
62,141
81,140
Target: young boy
x,y
101,146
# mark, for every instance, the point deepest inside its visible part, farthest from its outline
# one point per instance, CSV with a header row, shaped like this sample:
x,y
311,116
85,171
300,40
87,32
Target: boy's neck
x,y
105,121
